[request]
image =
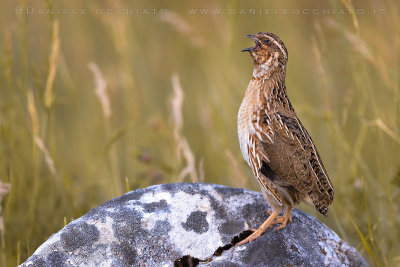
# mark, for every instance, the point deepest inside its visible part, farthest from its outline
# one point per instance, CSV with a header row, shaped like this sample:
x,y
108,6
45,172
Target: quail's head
x,y
268,52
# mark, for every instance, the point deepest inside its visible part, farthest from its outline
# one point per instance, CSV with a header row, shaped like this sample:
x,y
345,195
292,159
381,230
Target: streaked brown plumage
x,y
273,141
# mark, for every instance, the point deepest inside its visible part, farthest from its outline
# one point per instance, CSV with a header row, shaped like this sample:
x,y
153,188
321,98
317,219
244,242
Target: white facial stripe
x,y
278,45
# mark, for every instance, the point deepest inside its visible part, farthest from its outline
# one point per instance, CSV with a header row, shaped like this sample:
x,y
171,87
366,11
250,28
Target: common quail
x,y
273,141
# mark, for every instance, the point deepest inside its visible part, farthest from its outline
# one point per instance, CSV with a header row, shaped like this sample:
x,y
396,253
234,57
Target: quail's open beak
x,y
253,37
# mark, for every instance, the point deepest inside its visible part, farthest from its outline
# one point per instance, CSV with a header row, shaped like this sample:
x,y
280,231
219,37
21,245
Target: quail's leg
x,y
287,216
260,230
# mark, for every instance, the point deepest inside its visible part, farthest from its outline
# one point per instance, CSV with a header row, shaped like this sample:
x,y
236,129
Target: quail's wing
x,y
296,160
263,133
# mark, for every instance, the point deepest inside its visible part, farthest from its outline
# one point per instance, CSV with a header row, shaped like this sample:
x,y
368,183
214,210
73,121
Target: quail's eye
x,y
266,41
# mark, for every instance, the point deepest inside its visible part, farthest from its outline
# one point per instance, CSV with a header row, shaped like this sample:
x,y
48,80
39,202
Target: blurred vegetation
x,y
93,105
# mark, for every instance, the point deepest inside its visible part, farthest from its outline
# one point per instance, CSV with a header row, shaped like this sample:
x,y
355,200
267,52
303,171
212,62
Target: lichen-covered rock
x,y
183,224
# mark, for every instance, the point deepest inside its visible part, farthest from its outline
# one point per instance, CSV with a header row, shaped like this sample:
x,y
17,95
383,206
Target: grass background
x,y
93,105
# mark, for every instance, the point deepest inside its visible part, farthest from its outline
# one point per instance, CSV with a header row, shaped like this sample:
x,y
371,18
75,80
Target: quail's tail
x,y
322,195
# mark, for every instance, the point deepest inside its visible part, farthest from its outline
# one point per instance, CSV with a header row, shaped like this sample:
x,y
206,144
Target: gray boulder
x,y
188,225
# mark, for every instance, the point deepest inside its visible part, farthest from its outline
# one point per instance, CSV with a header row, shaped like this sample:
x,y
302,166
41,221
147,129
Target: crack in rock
x,y
186,260
189,261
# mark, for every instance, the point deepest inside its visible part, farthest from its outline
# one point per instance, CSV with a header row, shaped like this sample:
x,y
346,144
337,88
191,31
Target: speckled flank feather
x,y
272,139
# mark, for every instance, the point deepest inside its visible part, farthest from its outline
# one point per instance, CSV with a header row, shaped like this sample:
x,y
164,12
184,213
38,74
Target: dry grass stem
x,y
33,113
176,21
8,66
177,103
381,125
46,153
54,51
190,168
182,146
201,170
349,5
320,68
181,26
4,190
357,44
101,90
